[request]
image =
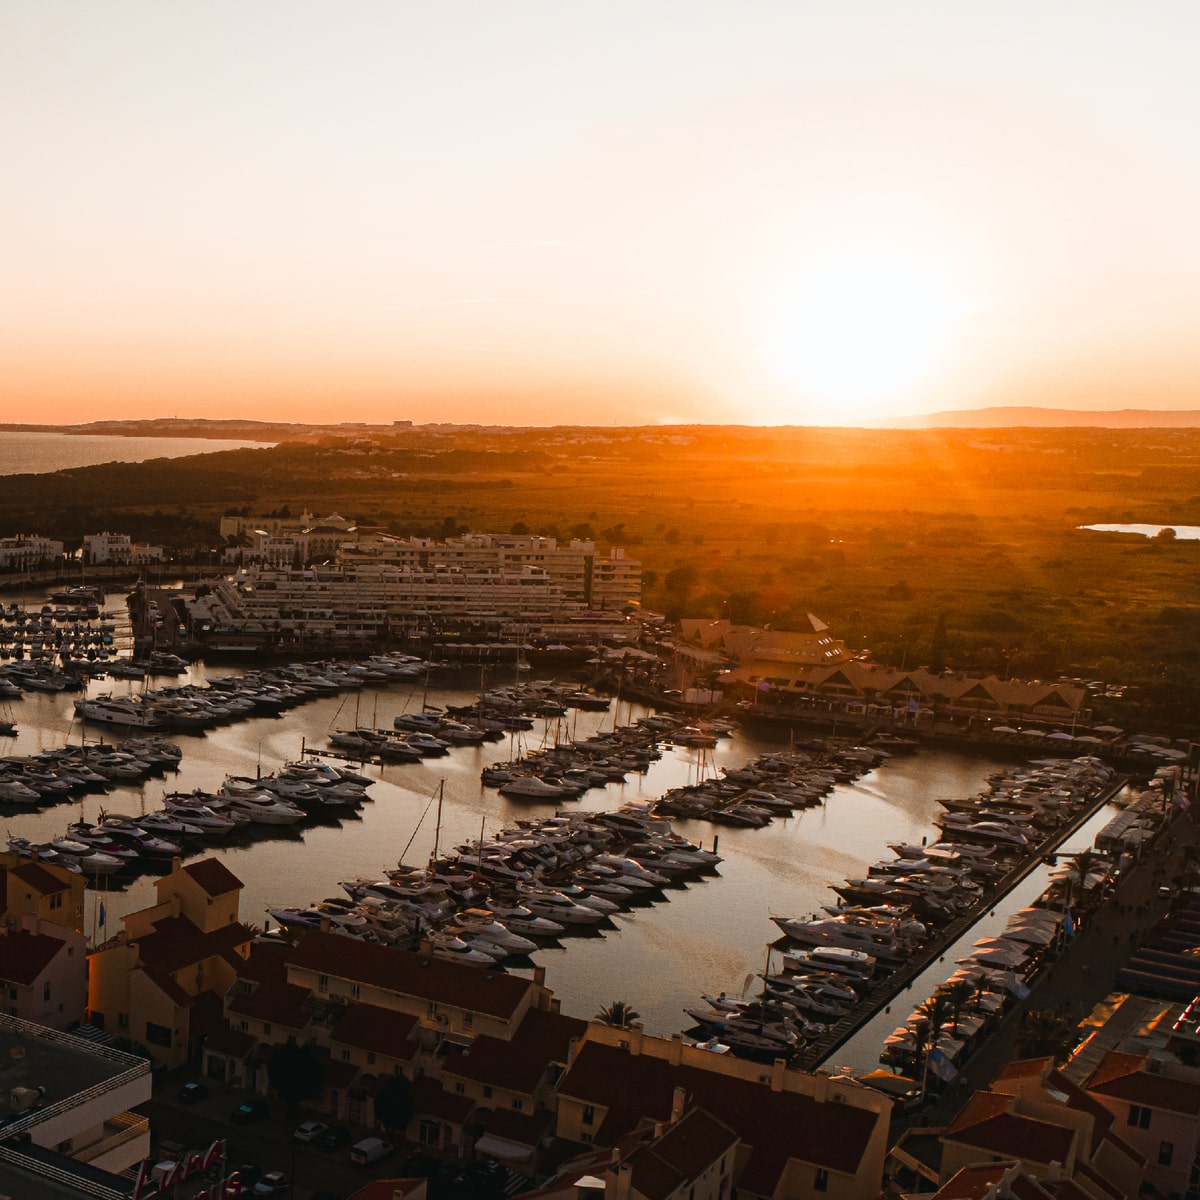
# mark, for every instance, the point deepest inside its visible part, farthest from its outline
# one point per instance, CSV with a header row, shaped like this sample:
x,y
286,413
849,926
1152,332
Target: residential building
x,y
161,980
1156,1106
116,549
799,1134
25,551
35,889
69,1105
43,973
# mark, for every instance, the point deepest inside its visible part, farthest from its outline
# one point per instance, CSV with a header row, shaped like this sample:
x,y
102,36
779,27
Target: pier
x,y
820,1050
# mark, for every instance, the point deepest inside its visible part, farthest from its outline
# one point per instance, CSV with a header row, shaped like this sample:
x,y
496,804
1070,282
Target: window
x,y
1166,1151
821,1183
459,1089
355,991
345,1056
589,1113
266,1028
370,1058
46,990
518,1104
432,1009
487,1091
1139,1116
122,1020
322,983
468,1019
157,1035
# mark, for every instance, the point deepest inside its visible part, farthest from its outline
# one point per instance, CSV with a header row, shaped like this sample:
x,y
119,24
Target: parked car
x,y
369,1150
254,1109
191,1092
335,1137
309,1131
273,1183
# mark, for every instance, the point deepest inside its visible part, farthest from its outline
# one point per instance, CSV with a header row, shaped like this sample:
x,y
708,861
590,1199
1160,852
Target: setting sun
x,y
861,332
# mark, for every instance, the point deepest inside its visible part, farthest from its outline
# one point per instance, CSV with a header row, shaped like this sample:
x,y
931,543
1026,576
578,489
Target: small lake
x,y
1185,533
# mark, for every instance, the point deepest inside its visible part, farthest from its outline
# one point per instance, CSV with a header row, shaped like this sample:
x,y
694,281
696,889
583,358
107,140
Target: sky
x,y
534,212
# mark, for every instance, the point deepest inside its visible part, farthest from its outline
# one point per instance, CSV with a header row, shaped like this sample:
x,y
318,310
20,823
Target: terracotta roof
x,y
429,1100
426,977
274,1001
380,1030
778,1126
541,1038
176,942
163,981
213,876
1021,1068
1122,1076
526,1129
39,878
973,1182
986,1123
388,1189
1098,1181
683,1153
267,960
1079,1100
233,1042
24,956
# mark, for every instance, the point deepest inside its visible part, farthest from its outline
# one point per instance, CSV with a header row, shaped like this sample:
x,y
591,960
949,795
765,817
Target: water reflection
x,y
709,936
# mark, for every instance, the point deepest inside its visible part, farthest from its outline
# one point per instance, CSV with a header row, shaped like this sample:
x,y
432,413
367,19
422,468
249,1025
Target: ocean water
x,y
41,453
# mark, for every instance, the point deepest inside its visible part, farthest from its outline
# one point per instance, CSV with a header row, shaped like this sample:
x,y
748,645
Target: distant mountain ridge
x,y
1045,418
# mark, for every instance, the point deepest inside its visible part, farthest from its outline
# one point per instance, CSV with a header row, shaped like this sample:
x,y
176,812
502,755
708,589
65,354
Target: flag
x,y
912,704
763,685
1069,925
1018,987
941,1066
103,920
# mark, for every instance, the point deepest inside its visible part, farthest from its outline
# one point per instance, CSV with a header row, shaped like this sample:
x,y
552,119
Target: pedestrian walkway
x,y
1086,969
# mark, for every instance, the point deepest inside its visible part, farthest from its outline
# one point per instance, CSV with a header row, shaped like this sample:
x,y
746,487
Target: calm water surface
x,y
39,453
710,936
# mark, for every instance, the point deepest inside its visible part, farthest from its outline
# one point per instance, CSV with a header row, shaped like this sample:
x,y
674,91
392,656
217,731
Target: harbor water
x,y
708,937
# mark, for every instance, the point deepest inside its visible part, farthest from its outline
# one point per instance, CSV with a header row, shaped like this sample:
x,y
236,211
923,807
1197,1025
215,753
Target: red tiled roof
x,y
1021,1068
386,1189
233,1042
176,942
40,879
986,1123
972,1183
1079,1100
24,956
429,1100
380,1030
1098,1181
778,1126
541,1038
163,981
275,1001
426,977
526,1129
683,1153
1122,1077
213,876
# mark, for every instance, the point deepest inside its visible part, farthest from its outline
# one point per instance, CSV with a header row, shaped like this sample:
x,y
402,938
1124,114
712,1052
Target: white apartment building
x,y
116,549
594,582
73,1096
28,550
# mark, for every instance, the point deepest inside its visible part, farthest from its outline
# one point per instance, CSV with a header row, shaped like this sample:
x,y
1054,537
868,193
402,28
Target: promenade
x,y
1084,972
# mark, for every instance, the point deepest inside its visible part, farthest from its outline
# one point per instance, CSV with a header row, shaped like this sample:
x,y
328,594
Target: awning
x,y
500,1148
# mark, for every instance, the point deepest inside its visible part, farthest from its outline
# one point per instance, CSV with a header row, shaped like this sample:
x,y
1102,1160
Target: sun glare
x,y
860,333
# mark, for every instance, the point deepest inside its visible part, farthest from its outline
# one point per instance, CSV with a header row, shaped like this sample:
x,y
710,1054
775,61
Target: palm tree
x,y
619,1014
957,994
1081,866
920,1041
1046,1034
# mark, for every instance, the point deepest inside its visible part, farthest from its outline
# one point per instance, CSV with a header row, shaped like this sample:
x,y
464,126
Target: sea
x,y
713,935
41,453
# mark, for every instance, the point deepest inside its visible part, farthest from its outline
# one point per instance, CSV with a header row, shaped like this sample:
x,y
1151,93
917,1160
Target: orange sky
x,y
536,212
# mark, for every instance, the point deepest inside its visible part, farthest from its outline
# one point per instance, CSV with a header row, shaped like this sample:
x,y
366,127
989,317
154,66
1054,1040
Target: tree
x,y
295,1075
1045,1034
394,1104
619,1014
957,994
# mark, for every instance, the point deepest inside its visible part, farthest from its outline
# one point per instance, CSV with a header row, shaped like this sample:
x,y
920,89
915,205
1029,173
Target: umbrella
x,y
1090,741
1107,729
1032,733
1003,729
1059,735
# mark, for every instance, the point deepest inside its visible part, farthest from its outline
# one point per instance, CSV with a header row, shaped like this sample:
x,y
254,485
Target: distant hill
x,y
1046,418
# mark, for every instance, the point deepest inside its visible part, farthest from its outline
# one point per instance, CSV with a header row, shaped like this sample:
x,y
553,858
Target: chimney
x,y
176,865
539,976
624,1182
678,1101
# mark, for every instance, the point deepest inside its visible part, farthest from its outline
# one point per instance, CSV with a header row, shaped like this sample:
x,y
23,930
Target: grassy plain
x,y
948,545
